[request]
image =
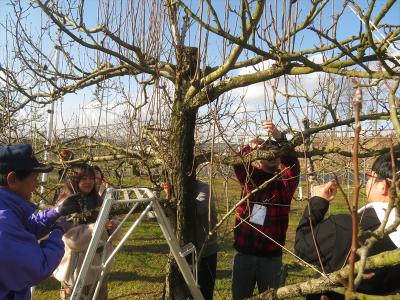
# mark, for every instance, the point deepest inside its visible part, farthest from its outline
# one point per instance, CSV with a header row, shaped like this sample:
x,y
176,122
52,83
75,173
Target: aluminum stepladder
x,y
133,196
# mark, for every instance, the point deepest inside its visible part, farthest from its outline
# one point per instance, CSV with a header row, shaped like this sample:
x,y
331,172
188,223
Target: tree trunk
x,y
182,175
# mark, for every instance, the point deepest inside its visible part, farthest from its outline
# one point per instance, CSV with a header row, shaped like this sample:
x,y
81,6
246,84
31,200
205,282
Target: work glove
x,y
70,205
63,224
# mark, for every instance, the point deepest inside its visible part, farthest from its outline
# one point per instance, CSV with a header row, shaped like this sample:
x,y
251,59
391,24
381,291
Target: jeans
x,y
249,270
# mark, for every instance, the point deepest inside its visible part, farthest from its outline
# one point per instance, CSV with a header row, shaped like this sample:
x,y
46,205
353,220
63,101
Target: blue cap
x,y
19,157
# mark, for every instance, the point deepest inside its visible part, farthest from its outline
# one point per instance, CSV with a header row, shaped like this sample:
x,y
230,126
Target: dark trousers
x,y
206,275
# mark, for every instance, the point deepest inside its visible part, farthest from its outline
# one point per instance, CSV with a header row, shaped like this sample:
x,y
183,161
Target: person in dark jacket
x,y
206,215
207,247
333,234
262,222
23,261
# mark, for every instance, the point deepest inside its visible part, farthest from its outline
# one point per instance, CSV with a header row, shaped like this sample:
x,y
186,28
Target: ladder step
x,y
187,249
96,245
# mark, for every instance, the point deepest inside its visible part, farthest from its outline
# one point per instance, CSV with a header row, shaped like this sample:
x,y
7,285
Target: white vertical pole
x,y
50,117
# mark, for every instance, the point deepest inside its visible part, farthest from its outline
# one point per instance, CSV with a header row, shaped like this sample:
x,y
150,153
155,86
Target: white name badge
x,y
258,214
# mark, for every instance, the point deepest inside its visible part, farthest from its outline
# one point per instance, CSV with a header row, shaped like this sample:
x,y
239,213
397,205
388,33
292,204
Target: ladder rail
x,y
122,222
96,236
90,252
143,195
128,233
106,261
176,251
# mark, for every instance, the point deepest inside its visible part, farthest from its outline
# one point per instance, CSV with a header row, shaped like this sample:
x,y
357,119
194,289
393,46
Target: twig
x,y
354,206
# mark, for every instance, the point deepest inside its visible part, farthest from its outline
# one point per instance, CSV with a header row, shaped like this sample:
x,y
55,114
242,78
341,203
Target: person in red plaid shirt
x,y
262,221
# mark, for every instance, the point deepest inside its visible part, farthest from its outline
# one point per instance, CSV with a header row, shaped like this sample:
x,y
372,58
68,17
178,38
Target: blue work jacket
x,y
24,262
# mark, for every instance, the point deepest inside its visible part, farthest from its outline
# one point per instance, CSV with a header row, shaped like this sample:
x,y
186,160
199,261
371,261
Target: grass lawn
x,y
139,268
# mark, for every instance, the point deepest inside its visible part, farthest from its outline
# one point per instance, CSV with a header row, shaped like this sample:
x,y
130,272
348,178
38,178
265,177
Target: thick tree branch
x,y
333,280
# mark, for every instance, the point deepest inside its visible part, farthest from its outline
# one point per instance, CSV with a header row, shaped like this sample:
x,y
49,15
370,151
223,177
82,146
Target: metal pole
x,y
50,118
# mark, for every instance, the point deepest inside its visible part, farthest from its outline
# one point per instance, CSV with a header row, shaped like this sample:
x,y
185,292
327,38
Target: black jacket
x,y
333,237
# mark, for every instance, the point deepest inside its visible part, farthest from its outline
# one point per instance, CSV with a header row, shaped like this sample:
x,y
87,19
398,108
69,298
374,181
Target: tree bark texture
x,y
182,175
333,281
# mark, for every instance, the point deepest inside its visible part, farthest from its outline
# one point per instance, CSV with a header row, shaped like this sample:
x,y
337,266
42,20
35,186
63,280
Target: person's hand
x,y
70,205
166,188
271,129
111,226
255,143
106,184
63,224
326,191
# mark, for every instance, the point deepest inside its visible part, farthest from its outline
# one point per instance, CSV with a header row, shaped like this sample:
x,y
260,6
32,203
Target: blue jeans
x,y
249,270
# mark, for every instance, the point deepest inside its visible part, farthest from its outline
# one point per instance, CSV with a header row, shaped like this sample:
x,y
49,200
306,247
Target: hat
x,y
19,157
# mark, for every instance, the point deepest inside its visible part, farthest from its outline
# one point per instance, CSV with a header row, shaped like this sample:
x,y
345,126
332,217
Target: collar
x,y
380,209
16,203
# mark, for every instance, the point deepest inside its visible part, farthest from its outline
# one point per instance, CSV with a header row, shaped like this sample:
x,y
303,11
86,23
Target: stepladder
x,y
131,198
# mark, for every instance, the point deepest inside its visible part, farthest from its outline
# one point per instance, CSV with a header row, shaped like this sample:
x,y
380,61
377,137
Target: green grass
x,y
139,268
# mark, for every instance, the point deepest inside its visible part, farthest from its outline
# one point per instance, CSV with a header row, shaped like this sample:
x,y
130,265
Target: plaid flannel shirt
x,y
276,197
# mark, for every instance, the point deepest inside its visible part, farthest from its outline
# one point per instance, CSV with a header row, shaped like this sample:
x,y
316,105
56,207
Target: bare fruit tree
x,y
177,72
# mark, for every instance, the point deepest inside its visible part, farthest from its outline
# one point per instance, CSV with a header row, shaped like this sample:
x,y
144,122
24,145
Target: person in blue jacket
x,y
23,261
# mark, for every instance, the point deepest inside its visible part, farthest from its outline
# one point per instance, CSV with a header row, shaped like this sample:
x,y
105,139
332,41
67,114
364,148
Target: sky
x,y
70,107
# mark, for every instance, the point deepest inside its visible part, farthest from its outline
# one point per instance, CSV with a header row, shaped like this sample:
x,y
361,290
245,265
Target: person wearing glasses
x,y
333,234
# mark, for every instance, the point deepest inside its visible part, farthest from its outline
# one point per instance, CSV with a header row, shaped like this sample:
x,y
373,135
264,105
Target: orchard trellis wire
x,y
108,125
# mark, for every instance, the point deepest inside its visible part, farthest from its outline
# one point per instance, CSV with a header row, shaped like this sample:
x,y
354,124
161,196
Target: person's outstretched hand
x,y
326,191
270,127
70,205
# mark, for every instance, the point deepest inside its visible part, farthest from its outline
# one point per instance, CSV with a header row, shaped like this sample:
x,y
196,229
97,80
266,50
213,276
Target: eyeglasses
x,y
364,177
371,174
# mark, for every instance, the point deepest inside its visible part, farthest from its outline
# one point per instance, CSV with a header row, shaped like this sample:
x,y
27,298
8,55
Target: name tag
x,y
258,214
